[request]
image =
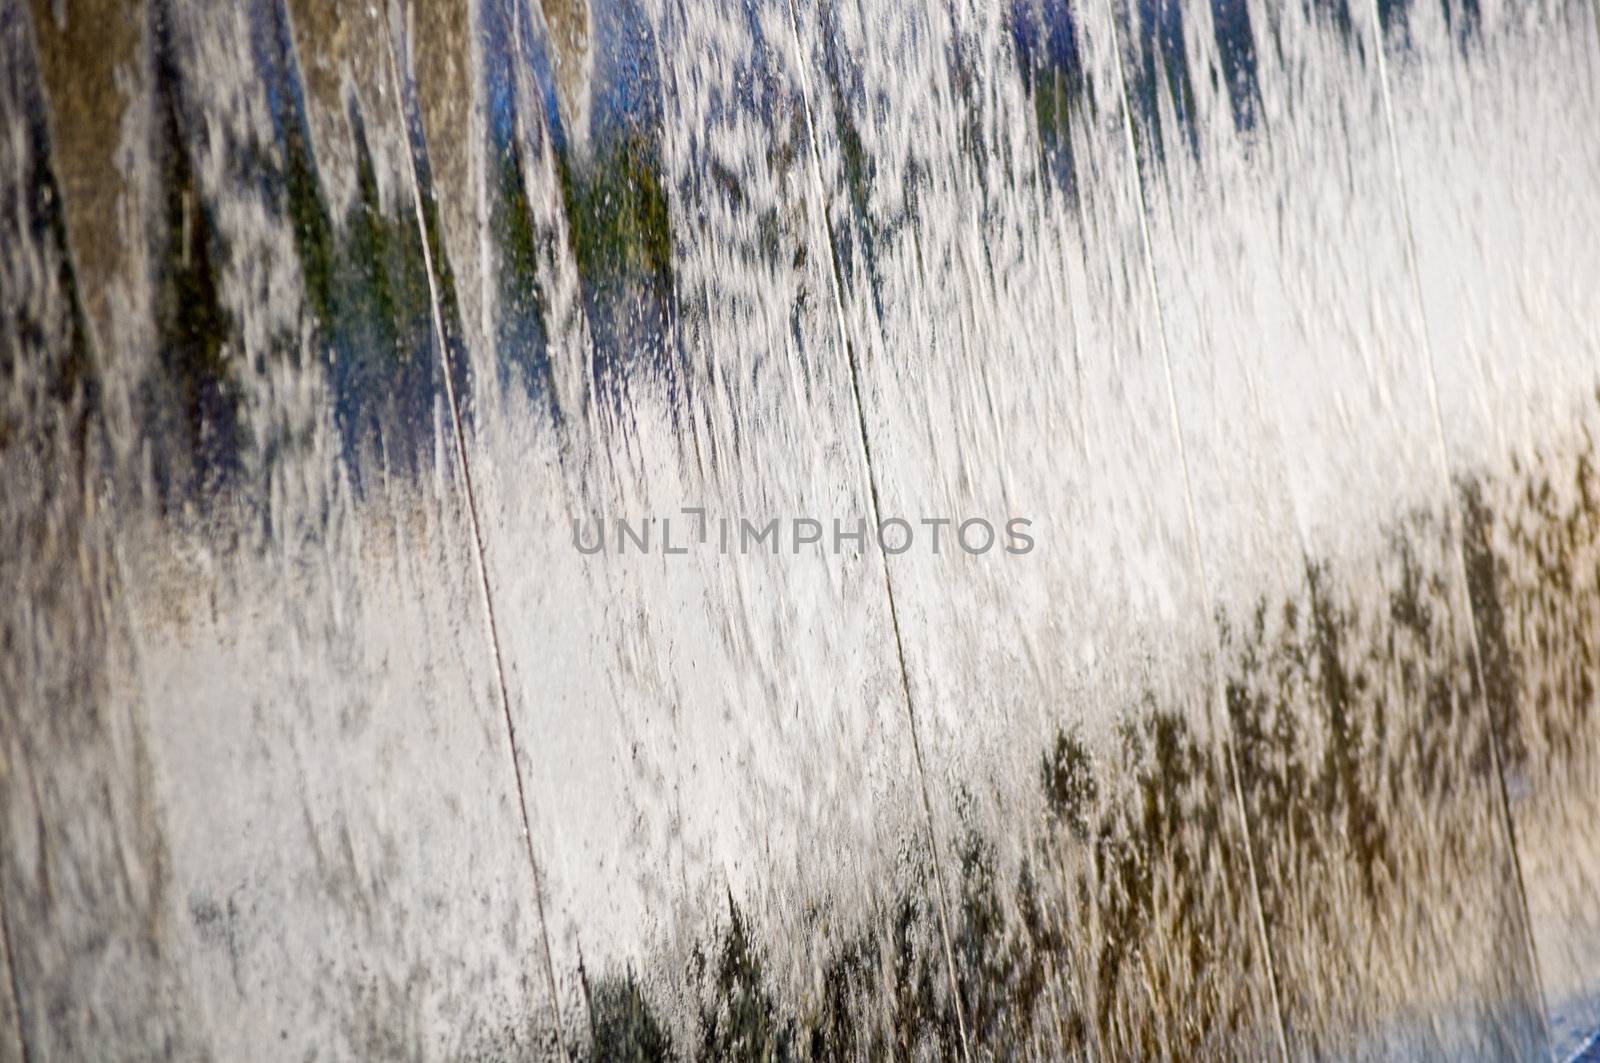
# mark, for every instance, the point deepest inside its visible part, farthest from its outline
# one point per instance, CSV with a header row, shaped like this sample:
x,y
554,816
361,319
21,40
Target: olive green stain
x,y
617,211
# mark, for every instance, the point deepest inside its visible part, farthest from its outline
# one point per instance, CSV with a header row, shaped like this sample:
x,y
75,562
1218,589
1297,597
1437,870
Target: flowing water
x,y
333,333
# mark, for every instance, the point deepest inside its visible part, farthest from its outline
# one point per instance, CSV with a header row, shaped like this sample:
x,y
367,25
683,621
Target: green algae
x,y
616,206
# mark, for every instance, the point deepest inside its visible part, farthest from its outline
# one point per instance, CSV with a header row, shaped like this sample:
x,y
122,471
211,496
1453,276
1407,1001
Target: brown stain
x,y
571,32
90,63
444,57
321,37
442,51
343,46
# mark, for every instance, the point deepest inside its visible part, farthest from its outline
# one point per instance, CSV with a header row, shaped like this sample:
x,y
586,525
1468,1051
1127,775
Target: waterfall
x,y
662,529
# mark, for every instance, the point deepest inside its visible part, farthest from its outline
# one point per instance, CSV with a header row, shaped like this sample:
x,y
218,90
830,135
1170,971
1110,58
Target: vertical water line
x,y
1197,554
888,580
477,535
1453,525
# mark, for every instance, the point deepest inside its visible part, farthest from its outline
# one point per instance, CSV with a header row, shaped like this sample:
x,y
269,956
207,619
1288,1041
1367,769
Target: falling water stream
x,y
1263,339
